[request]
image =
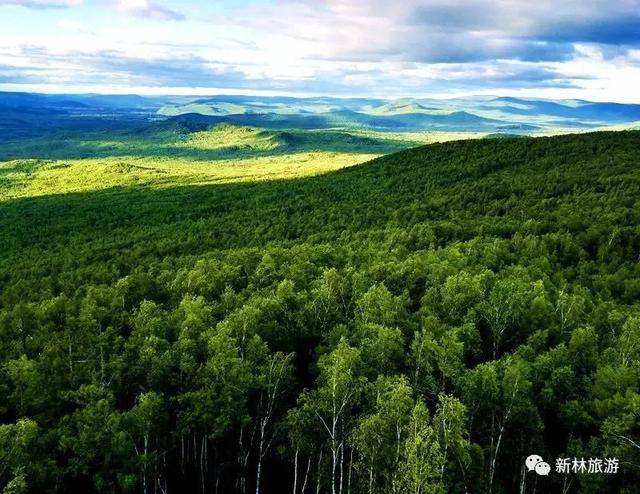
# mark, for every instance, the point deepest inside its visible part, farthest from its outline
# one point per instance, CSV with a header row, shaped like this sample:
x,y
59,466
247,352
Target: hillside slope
x,y
466,283
500,182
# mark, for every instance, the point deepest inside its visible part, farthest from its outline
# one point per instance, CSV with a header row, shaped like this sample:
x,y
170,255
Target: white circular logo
x,y
537,464
542,468
532,461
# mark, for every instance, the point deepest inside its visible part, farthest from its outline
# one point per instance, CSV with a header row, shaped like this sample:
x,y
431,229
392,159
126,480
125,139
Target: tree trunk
x,y
306,475
349,475
371,473
295,471
182,453
319,471
144,466
263,426
241,461
334,462
341,467
202,480
464,475
502,427
492,452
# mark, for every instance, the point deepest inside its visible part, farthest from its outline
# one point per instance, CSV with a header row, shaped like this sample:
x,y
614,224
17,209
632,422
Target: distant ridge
x,y
30,114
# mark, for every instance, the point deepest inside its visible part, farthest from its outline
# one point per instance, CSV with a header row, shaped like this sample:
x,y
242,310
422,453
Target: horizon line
x,y
196,92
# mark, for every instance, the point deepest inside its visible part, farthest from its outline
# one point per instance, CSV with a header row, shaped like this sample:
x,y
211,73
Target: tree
x,y
17,443
194,318
379,306
144,423
93,437
504,307
583,350
498,396
339,386
422,460
459,294
331,299
149,351
306,435
450,426
379,437
381,348
274,377
219,398
570,308
436,357
27,385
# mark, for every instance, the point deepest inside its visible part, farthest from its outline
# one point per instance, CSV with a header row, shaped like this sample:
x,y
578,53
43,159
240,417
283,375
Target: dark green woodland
x,y
420,323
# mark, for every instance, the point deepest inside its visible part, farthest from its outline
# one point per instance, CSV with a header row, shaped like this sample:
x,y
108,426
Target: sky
x,y
585,49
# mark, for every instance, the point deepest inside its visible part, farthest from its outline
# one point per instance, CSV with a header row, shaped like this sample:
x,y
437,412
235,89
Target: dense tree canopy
x,y
419,324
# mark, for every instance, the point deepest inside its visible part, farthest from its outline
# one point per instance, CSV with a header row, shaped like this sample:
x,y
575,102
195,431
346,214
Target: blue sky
x,y
555,49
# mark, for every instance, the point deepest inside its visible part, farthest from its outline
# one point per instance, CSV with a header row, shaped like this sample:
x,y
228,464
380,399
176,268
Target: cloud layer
x,y
148,9
562,47
42,4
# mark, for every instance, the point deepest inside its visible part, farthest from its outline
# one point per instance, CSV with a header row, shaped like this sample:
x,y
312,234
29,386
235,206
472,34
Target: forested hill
x,y
461,189
419,323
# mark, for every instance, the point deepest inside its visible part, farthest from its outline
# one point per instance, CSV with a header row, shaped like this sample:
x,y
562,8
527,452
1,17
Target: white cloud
x,y
148,9
342,46
42,4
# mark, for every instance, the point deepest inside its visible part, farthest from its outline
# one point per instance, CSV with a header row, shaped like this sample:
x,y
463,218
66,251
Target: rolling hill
x,y
347,119
27,115
186,149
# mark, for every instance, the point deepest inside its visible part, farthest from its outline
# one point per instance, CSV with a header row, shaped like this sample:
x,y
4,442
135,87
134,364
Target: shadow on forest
x,y
150,211
159,142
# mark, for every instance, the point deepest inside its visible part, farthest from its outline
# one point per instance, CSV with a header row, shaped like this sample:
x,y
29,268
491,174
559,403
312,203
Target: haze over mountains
x,y
26,114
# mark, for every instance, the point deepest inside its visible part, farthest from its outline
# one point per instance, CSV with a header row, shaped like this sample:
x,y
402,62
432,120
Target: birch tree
x,y
422,457
380,435
338,390
220,395
275,376
144,422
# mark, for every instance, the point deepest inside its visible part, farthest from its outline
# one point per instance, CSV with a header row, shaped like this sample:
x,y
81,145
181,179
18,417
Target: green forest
x,y
182,318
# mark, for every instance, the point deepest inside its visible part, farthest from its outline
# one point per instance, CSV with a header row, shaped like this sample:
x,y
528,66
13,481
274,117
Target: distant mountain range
x,y
27,114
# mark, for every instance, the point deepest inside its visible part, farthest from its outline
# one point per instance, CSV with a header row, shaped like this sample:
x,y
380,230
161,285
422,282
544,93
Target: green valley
x,y
178,152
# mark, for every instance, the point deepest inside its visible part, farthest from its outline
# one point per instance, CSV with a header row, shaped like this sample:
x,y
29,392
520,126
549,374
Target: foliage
x,y
420,323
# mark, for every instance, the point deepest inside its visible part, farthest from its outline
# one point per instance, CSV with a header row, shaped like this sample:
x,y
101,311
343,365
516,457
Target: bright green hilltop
x,y
169,154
